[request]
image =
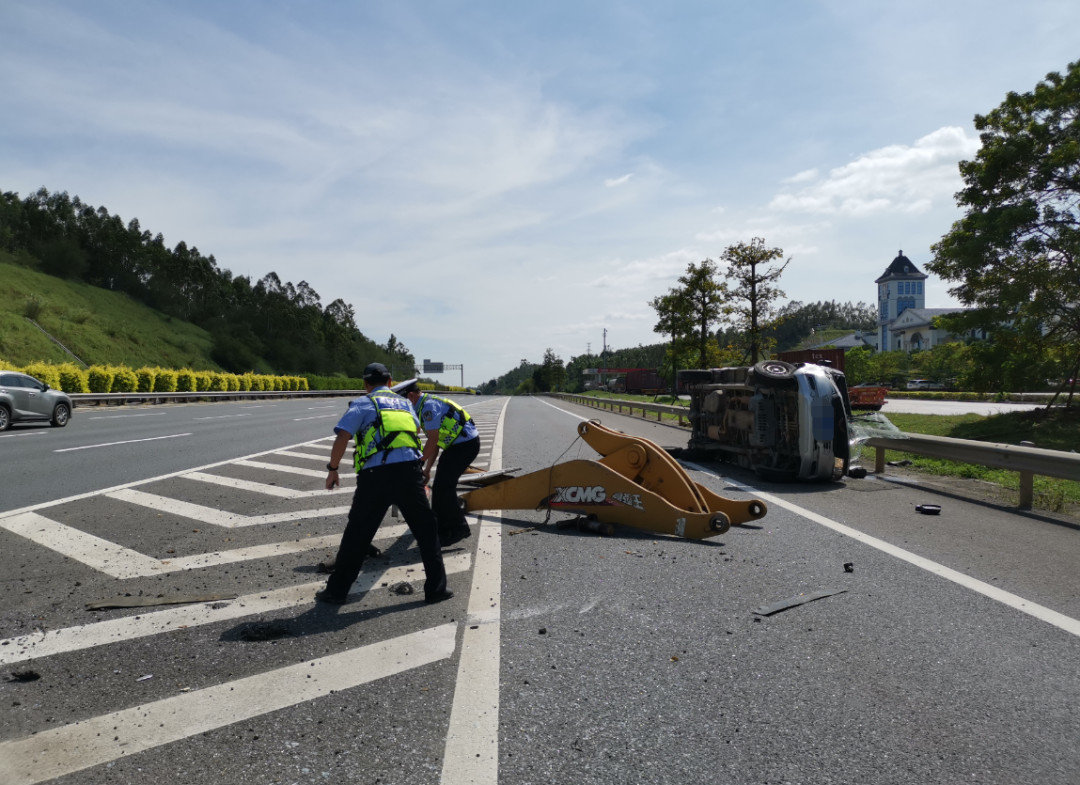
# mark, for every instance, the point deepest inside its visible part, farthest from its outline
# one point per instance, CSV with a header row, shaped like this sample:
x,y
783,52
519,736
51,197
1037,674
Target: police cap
x,y
376,372
405,387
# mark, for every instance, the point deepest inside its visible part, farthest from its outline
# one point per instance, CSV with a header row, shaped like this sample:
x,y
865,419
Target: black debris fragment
x,y
24,676
857,472
265,631
792,602
140,602
904,462
543,630
403,588
929,509
849,566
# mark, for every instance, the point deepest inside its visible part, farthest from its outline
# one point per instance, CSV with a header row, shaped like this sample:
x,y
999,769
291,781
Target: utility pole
x,y
604,355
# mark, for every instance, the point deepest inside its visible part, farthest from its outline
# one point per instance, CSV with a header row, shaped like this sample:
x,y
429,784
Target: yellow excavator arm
x,y
635,483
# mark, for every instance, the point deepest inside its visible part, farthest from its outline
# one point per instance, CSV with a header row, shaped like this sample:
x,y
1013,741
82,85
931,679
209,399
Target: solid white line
x,y
54,753
471,754
198,512
37,645
553,406
130,441
262,487
136,483
260,406
28,433
118,416
1059,620
222,416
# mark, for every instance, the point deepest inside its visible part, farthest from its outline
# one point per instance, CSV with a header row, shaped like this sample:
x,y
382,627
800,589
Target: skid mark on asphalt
x,y
146,624
54,753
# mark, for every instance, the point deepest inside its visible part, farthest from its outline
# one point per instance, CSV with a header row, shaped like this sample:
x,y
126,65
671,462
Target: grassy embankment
x,y
101,327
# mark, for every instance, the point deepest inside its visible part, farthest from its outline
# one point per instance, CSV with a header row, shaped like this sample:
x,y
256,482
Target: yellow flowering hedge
x,y
119,378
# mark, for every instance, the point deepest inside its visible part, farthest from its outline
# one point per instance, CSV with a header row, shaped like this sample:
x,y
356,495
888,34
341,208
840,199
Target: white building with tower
x,y
904,322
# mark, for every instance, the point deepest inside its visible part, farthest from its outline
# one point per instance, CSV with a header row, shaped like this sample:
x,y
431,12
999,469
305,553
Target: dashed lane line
x,y
38,645
471,754
118,416
264,488
316,417
214,516
27,433
222,416
60,751
129,441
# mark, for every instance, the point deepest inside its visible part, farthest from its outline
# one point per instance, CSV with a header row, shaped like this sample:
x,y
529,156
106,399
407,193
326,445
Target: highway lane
x,y
985,408
634,658
106,446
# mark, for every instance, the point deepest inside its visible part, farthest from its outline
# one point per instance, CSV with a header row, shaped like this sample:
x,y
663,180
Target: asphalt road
x,y
950,656
915,406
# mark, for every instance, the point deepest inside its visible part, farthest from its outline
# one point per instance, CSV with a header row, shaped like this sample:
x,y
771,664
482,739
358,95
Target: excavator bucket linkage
x,y
635,483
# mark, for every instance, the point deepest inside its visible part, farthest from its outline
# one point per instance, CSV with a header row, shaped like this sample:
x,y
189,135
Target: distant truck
x,y
645,381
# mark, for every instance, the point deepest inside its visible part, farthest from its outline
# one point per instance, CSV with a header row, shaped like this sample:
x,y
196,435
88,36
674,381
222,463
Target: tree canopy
x,y
1013,257
752,272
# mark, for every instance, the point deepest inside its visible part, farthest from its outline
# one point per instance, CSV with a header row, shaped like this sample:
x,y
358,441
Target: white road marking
x,y
279,467
118,416
316,417
471,754
27,433
261,487
102,555
260,406
129,441
312,408
59,751
123,563
1059,620
290,454
553,406
87,636
222,416
198,512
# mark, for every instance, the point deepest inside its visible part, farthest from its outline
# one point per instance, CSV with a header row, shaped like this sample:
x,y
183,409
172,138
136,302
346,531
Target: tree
x,y
1014,255
673,318
754,293
703,298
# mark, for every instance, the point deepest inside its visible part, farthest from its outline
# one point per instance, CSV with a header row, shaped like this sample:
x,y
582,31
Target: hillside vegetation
x,y
99,326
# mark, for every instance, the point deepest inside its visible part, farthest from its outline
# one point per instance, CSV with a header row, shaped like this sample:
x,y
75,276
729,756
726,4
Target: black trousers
x,y
444,499
376,489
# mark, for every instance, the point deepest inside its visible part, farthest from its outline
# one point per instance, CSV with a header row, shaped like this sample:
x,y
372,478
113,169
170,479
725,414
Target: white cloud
x,y
617,181
802,177
648,273
898,178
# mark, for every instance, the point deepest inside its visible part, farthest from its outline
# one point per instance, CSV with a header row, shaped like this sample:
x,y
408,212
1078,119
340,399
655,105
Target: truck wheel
x,y
774,373
61,414
5,418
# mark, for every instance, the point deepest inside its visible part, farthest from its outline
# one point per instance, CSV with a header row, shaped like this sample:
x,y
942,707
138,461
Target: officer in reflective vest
x,y
387,460
448,428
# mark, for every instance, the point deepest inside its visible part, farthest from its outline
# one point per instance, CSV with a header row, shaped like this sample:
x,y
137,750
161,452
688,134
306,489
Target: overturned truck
x,y
785,421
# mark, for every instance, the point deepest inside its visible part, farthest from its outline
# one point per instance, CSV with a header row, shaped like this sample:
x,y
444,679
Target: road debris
x,y
849,566
543,631
23,676
521,531
904,462
929,509
265,631
857,472
142,602
147,677
792,602
403,588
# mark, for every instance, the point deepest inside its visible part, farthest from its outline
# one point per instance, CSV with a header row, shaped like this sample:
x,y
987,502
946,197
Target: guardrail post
x,y
1027,485
879,460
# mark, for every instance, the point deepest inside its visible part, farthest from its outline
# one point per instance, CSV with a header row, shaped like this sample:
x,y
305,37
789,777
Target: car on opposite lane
x,y
26,399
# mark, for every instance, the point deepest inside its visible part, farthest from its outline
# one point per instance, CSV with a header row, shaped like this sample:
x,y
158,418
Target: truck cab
x,y
785,421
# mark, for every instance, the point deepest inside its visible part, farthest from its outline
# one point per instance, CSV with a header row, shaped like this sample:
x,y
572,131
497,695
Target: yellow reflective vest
x,y
394,426
452,424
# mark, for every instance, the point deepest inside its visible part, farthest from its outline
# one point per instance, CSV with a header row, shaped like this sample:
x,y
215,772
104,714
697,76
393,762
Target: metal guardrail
x,y
1025,458
617,404
124,398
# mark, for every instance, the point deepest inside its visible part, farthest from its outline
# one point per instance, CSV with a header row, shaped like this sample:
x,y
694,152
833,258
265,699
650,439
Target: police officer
x,y
449,428
387,459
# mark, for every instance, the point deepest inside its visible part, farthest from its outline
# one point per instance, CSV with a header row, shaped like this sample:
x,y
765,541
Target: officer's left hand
x,y
332,480
427,474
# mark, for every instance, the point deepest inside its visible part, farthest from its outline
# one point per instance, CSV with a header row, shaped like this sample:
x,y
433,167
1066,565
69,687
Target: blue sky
x,y
486,181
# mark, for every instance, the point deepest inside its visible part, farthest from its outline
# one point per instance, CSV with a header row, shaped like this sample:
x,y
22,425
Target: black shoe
x,y
431,599
327,596
456,536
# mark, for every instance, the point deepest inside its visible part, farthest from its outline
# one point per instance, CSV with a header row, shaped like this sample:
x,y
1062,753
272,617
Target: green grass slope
x,y
99,326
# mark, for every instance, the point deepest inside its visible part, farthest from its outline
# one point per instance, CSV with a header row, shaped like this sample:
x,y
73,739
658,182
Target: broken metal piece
x,y
521,531
144,602
793,602
483,479
929,509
